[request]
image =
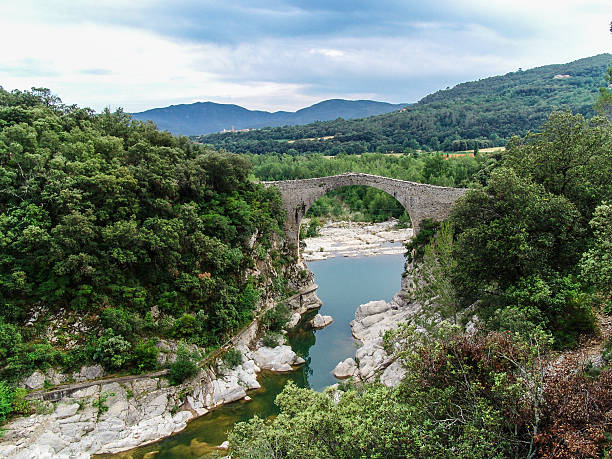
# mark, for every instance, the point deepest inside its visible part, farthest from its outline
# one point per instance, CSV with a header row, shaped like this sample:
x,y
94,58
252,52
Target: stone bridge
x,y
420,200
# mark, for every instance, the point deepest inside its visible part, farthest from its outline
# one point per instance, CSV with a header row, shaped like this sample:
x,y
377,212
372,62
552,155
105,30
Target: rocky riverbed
x,y
351,239
114,416
109,416
371,321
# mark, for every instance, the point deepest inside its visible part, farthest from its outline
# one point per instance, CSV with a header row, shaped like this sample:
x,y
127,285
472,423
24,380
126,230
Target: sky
x,y
283,54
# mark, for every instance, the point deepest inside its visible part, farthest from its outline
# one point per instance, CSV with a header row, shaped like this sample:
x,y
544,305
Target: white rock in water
x,y
320,321
293,321
345,369
371,308
35,381
279,358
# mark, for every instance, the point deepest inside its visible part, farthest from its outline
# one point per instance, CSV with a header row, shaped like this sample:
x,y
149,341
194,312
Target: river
x,y
344,283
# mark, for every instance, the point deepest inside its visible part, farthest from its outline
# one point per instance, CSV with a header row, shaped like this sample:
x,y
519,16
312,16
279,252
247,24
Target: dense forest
x,y
527,250
102,218
479,114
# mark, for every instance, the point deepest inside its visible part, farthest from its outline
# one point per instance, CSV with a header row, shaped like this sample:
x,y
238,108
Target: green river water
x,y
344,284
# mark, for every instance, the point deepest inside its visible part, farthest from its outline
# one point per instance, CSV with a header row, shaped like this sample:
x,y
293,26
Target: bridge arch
x,y
420,200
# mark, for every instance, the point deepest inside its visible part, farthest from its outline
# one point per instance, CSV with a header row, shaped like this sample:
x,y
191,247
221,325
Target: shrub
x,y
275,319
121,321
183,367
145,355
112,351
232,358
7,394
314,228
10,338
185,326
576,414
270,340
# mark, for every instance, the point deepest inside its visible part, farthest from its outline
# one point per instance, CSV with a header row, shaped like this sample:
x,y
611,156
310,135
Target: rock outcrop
x,y
108,418
280,358
371,322
345,369
320,321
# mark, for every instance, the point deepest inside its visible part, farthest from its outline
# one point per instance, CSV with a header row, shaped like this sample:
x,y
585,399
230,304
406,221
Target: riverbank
x,y
118,414
352,239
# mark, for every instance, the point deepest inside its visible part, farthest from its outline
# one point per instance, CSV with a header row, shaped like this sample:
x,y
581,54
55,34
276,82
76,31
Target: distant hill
x,y
486,112
208,117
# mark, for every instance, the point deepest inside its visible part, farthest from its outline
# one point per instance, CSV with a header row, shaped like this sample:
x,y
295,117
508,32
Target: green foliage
x,y
520,239
270,339
596,263
486,113
145,355
570,157
604,103
183,367
119,320
7,394
232,358
112,351
275,319
185,326
415,247
100,402
12,401
104,217
433,282
463,397
314,227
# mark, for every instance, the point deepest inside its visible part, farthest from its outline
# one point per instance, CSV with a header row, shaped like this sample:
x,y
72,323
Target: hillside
x,y
207,117
487,112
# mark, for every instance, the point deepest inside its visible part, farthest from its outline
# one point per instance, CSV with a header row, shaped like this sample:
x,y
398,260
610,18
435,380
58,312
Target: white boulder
x,y
320,321
345,369
279,358
35,381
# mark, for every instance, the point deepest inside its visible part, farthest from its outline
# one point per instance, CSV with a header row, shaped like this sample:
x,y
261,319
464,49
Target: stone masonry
x,y
420,200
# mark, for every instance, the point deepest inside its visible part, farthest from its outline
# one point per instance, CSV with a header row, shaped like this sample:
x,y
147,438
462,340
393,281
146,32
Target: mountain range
x,y
209,117
483,113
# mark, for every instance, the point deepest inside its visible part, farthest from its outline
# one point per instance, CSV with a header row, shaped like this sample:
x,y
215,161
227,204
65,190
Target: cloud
x,y
281,54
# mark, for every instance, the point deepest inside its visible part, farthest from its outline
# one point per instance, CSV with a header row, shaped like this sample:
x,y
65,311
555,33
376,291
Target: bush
x,y
183,367
576,415
270,340
275,319
121,321
112,351
145,355
314,228
185,326
232,358
10,339
7,394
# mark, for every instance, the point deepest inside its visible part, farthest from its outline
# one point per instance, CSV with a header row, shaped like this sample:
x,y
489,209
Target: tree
x,y
604,103
517,247
596,263
433,279
570,157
